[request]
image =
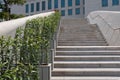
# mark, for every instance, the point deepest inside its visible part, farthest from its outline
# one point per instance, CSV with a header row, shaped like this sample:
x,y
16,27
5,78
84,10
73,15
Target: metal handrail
x,y
57,32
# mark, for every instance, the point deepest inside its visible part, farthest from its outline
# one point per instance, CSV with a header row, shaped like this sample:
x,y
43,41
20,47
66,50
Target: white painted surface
x,y
18,9
9,27
108,22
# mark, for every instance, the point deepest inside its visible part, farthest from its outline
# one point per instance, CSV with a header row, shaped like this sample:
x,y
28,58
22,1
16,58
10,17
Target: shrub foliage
x,y
21,56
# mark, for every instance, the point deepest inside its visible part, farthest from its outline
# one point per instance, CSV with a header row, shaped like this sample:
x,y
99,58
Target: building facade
x,y
68,8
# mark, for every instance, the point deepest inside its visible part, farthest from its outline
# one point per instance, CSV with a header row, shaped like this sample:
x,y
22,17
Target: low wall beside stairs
x,y
108,23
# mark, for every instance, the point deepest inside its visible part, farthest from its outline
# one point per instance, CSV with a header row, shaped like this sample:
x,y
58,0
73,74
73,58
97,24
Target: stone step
x,y
77,39
84,78
80,53
68,35
78,30
87,64
80,33
86,72
87,48
80,39
88,58
68,40
82,44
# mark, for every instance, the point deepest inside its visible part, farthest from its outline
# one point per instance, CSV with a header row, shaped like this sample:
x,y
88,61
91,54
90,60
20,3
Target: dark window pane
x,y
37,6
27,8
69,11
77,11
62,12
62,3
77,2
55,3
69,3
115,2
49,4
32,7
104,3
43,5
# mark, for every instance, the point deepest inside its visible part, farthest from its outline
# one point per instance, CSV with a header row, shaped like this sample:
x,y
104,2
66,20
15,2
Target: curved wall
x,y
8,28
109,24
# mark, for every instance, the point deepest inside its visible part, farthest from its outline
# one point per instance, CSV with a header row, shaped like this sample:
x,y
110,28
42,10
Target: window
x,y
77,11
77,2
69,11
55,3
62,3
83,10
115,2
32,7
104,3
62,12
49,4
43,5
27,8
69,3
37,6
83,1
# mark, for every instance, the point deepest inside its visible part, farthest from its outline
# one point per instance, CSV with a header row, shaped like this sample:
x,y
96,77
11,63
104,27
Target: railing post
x,y
52,58
54,44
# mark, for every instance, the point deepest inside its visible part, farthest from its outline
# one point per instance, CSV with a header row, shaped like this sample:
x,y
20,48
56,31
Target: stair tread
x,y
88,47
84,78
92,56
88,51
86,69
86,62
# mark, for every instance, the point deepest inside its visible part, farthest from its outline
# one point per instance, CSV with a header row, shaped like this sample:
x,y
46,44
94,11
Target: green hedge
x,y
21,56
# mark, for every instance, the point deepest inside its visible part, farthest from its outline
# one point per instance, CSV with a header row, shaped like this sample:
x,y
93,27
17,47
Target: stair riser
x,y
80,39
86,53
86,65
88,59
86,49
86,73
82,44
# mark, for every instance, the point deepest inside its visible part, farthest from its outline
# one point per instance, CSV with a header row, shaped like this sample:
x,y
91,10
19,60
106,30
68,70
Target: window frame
x,y
49,4
115,2
32,7
37,6
76,11
27,8
70,12
62,12
70,3
56,4
62,3
104,3
43,5
77,2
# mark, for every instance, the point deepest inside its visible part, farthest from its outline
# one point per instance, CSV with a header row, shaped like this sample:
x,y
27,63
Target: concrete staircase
x,y
82,54
77,32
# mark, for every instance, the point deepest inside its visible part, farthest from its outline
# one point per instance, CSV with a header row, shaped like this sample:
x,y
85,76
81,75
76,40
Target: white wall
x,y
18,9
21,9
109,24
95,5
